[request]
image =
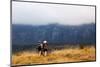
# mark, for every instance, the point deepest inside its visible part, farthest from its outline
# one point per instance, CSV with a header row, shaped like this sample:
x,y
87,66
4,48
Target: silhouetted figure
x,y
40,49
45,48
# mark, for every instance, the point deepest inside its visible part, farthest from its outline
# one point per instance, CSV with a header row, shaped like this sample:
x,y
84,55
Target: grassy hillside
x,y
56,56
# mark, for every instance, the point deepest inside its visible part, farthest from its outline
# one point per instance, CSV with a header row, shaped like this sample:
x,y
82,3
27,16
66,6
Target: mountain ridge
x,y
53,33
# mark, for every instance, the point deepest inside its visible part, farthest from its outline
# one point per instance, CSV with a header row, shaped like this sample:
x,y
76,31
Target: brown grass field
x,y
56,56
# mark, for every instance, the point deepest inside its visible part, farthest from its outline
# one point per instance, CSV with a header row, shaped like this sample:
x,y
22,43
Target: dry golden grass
x,y
57,56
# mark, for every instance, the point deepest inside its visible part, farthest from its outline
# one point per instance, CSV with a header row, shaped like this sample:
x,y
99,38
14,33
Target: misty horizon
x,y
53,24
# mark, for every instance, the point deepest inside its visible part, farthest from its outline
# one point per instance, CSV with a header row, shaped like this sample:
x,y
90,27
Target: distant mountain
x,y
53,33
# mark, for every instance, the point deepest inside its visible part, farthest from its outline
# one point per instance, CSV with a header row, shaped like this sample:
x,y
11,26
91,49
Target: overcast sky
x,y
40,14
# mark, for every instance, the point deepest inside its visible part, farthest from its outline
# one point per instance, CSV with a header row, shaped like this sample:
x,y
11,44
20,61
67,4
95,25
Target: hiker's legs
x,y
45,53
40,53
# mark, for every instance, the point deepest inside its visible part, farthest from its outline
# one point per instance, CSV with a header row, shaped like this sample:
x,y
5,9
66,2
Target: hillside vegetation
x,y
56,56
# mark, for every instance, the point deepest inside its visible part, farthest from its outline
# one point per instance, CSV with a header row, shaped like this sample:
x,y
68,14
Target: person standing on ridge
x,y
45,47
40,48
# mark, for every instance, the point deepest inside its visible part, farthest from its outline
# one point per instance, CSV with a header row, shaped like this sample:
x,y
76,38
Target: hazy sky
x,y
40,13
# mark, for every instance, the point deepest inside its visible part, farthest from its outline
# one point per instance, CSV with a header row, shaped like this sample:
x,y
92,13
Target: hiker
x,y
40,48
45,48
